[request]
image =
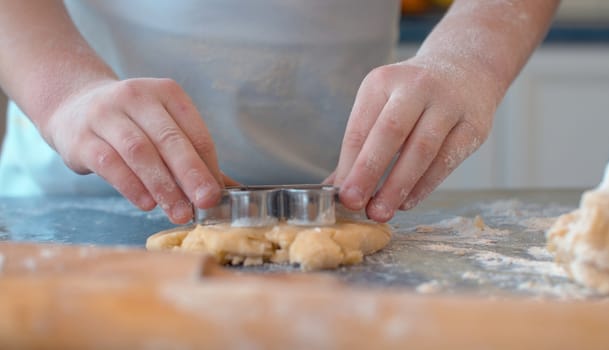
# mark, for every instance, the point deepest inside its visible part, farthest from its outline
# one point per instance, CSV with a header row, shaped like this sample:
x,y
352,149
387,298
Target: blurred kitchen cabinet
x,y
557,119
551,130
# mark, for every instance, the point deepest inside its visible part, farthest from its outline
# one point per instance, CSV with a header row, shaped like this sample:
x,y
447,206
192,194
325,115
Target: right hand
x,y
146,138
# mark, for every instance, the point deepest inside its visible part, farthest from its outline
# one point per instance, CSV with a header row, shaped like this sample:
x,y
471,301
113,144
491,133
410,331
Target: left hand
x,y
428,114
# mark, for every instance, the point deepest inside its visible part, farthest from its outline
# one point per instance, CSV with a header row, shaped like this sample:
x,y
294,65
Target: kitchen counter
x,y
465,270
439,247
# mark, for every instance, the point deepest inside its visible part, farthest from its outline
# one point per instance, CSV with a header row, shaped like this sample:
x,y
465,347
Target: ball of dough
x,y
580,240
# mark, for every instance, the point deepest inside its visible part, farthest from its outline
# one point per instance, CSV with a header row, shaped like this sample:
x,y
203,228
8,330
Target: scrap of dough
x,y
313,248
580,239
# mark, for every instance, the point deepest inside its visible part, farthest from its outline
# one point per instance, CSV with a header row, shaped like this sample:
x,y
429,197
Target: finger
x,y
103,160
418,152
228,181
462,141
141,156
330,179
394,124
178,154
179,105
369,103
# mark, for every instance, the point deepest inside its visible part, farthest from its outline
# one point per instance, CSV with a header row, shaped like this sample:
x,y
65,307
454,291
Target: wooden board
x,y
59,297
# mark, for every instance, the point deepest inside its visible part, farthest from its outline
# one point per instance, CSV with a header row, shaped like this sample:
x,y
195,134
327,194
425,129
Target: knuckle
x,y
169,136
129,90
99,157
169,85
471,136
425,147
204,146
454,157
380,75
392,126
479,130
100,108
105,158
136,146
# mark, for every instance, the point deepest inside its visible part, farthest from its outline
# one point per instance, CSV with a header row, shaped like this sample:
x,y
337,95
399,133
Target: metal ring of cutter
x,y
258,206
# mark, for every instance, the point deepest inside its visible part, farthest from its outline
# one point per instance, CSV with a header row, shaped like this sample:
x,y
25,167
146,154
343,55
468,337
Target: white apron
x,y
273,79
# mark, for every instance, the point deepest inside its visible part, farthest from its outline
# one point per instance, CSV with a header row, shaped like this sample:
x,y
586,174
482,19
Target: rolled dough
x,y
313,248
580,239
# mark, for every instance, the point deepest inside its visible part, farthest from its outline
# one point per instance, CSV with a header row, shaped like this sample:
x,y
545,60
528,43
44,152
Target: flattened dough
x,y
316,248
580,239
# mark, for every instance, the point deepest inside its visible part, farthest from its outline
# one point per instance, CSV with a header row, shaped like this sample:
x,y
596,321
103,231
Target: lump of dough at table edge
x,y
344,243
580,240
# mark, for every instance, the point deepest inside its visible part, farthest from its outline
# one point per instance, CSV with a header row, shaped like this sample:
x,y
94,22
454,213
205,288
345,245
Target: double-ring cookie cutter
x,y
258,206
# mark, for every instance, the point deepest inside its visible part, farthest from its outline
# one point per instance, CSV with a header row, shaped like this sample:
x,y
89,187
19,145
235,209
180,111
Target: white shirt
x,y
274,80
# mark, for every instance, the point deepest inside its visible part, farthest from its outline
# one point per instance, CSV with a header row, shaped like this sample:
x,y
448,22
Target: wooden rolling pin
x,y
43,259
96,307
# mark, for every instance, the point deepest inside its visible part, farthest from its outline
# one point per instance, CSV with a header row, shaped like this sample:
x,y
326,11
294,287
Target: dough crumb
x,y
464,226
327,247
430,287
479,223
424,229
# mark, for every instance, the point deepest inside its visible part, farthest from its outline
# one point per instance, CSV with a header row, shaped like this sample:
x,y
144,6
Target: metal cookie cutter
x,y
258,206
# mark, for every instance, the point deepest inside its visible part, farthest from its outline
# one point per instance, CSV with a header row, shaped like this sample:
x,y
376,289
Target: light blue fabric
x,y
274,80
29,166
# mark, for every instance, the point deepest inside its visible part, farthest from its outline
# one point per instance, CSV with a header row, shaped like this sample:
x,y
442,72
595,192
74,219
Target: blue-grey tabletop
x,y
482,242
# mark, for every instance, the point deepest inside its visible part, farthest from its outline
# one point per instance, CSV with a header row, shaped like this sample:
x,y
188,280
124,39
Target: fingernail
x,y
355,195
181,210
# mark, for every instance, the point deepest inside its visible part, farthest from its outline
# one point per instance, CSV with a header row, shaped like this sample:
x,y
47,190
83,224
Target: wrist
x,y
465,75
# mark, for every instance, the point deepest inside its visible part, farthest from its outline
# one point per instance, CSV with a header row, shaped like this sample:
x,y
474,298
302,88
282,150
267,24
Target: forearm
x,y
491,37
43,57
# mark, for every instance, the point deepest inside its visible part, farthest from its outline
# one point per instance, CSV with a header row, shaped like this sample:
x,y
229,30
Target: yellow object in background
x,y
414,6
417,7
442,3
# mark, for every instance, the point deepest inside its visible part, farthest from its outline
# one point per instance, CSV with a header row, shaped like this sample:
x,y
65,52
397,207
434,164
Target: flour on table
x,y
430,287
496,245
538,223
540,253
471,275
462,226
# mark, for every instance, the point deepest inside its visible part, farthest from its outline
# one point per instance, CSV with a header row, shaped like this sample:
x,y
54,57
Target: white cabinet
x,y
552,129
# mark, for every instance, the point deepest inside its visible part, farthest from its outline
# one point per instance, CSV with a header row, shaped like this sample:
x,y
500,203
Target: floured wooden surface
x,y
143,305
437,248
